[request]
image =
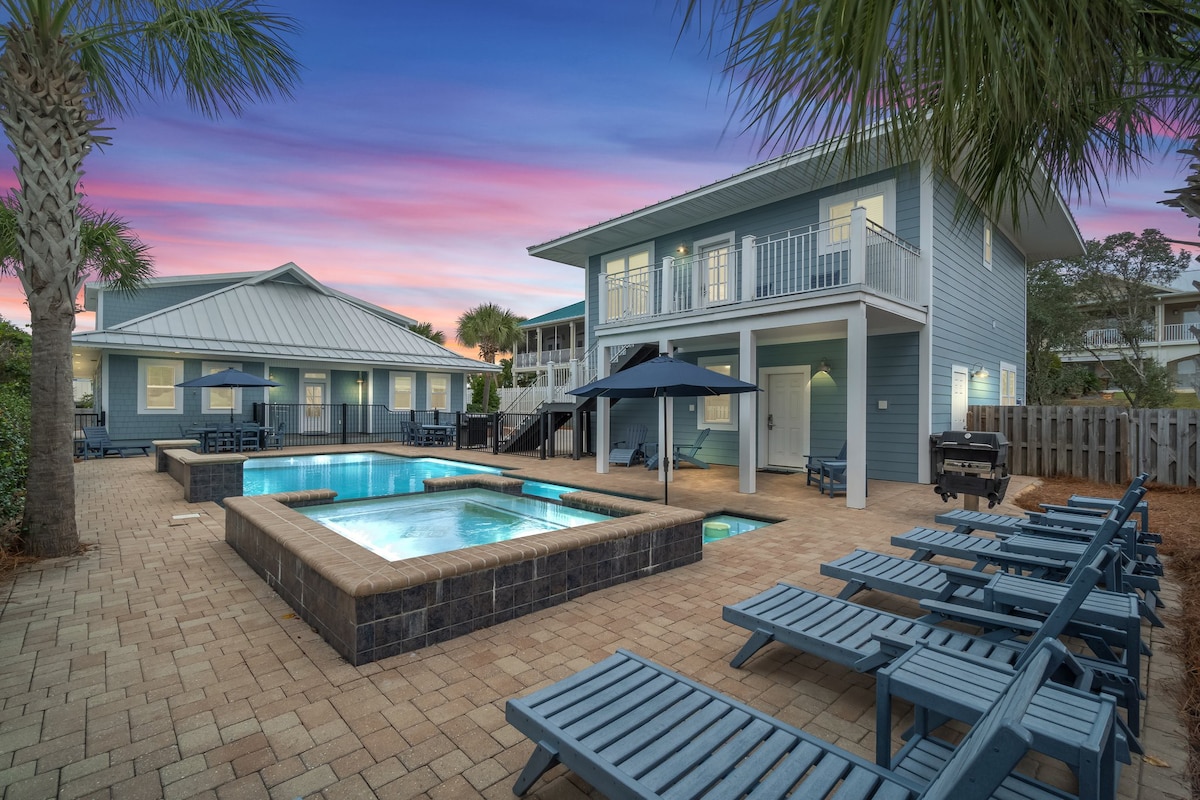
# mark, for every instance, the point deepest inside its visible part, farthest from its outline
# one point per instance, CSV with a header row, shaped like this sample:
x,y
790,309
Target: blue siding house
x,y
322,346
871,310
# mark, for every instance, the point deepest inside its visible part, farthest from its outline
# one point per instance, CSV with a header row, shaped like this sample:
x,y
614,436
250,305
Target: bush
x,y
14,452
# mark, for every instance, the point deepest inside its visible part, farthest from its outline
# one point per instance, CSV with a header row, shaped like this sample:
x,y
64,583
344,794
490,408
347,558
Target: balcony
x,y
541,358
1110,338
850,254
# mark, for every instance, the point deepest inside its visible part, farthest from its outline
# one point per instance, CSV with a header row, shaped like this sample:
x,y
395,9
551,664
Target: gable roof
x,y
566,312
283,313
1046,233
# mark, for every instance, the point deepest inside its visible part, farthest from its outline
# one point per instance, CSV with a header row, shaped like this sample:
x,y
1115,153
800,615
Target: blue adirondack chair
x,y
635,729
684,452
630,449
813,466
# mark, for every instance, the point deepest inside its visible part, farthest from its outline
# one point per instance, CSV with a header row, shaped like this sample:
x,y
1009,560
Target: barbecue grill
x,y
971,463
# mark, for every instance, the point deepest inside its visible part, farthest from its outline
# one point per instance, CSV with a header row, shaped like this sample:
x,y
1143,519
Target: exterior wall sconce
x,y
824,367
681,250
979,371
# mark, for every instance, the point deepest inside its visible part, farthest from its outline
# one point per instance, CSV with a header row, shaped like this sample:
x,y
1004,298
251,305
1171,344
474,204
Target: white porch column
x,y
574,355
603,441
858,245
749,268
668,285
748,414
551,388
539,347
664,451
856,408
601,299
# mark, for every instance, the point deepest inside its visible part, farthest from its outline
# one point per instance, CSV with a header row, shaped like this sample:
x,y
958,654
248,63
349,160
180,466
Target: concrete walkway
x,y
158,665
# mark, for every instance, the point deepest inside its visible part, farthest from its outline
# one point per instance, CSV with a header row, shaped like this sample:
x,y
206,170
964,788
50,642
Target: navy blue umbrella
x,y
664,377
228,379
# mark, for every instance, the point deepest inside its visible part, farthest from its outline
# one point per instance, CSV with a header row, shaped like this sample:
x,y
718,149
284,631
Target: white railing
x,y
522,360
1178,332
553,384
851,252
1102,338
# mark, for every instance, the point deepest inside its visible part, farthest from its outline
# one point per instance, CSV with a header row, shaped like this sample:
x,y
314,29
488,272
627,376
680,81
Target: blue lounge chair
x,y
97,444
631,449
684,452
634,729
865,638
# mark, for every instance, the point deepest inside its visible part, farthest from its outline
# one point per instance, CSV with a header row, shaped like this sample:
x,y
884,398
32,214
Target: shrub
x,y
14,452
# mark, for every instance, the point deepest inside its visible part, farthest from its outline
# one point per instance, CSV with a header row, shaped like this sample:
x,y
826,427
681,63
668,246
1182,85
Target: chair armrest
x,y
965,577
1090,512
981,617
1020,560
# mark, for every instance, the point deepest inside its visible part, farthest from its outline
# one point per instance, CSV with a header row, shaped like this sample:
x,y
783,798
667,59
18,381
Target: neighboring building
x,y
1170,341
870,310
322,346
556,337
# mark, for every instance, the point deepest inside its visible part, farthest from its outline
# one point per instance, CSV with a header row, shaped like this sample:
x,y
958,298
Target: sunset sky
x,y
430,143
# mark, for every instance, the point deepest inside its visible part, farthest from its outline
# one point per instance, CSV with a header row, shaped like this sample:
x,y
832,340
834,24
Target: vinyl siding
x,y
978,315
893,370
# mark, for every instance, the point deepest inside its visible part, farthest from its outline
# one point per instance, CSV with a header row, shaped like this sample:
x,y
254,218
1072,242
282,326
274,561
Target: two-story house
x,y
870,310
323,347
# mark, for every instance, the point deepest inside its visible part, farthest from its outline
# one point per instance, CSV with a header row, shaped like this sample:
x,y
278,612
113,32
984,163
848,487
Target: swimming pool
x,y
727,525
351,475
405,527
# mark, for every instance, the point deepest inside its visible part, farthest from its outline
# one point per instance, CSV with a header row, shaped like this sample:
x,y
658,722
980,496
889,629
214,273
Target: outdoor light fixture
x,y
682,249
979,371
824,367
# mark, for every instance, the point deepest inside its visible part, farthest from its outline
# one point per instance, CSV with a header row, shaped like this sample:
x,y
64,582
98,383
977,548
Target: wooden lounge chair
x,y
97,444
634,729
864,638
684,452
631,449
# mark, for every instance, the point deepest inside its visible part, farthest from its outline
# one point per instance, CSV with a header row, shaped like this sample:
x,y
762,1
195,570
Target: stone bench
x,y
161,446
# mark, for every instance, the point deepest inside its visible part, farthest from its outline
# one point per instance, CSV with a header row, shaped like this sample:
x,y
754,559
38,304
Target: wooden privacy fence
x,y
1097,443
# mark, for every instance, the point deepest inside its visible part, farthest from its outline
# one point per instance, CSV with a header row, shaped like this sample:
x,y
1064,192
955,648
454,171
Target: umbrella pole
x,y
667,454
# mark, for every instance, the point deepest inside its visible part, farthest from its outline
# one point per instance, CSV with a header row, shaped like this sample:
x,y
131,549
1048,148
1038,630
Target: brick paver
x,y
157,664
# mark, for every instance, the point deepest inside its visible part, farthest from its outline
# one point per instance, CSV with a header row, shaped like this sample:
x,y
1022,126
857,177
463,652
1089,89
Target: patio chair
x,y
249,438
631,449
97,444
273,437
632,728
225,440
813,466
684,452
865,638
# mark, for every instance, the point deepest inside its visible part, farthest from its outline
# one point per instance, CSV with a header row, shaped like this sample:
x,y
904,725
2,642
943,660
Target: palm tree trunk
x,y
46,118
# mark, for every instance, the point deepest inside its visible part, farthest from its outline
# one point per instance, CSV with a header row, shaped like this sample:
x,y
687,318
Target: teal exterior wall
x,y
117,306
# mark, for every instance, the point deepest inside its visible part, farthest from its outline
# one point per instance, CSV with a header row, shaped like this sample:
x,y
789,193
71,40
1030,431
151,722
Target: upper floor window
x,y
1008,384
879,200
987,244
438,390
628,274
720,411
157,393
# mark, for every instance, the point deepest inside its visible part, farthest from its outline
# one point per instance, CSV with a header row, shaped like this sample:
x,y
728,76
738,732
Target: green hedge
x,y
14,451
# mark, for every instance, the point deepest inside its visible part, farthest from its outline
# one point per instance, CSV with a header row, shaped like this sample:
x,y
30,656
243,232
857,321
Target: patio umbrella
x,y
664,377
227,378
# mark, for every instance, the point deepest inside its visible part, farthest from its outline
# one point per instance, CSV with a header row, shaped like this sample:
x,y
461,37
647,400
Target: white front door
x,y
958,399
787,418
315,418
716,273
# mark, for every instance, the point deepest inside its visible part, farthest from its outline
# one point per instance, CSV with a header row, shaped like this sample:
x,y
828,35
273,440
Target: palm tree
x,y
493,330
989,90
427,330
65,64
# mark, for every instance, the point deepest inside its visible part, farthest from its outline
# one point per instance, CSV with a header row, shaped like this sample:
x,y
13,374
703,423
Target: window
x,y
720,411
628,274
438,390
224,399
987,244
1008,384
879,199
404,386
715,262
157,393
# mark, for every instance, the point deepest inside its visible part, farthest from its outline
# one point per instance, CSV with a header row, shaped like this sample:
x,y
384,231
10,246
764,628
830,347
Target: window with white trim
x,y
437,391
879,199
157,392
1008,384
219,399
403,389
987,244
628,274
719,411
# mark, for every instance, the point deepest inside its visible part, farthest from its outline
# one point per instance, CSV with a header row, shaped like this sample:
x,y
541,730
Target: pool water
x,y
351,475
552,491
736,525
404,527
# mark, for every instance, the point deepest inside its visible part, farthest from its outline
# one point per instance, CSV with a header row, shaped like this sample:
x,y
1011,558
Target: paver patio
x,y
157,664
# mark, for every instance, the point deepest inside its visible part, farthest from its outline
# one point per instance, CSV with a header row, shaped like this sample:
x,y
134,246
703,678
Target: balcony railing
x,y
845,253
1107,338
525,360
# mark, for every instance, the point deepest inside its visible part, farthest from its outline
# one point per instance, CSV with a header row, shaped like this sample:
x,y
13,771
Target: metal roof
x,y
1049,232
566,312
283,313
